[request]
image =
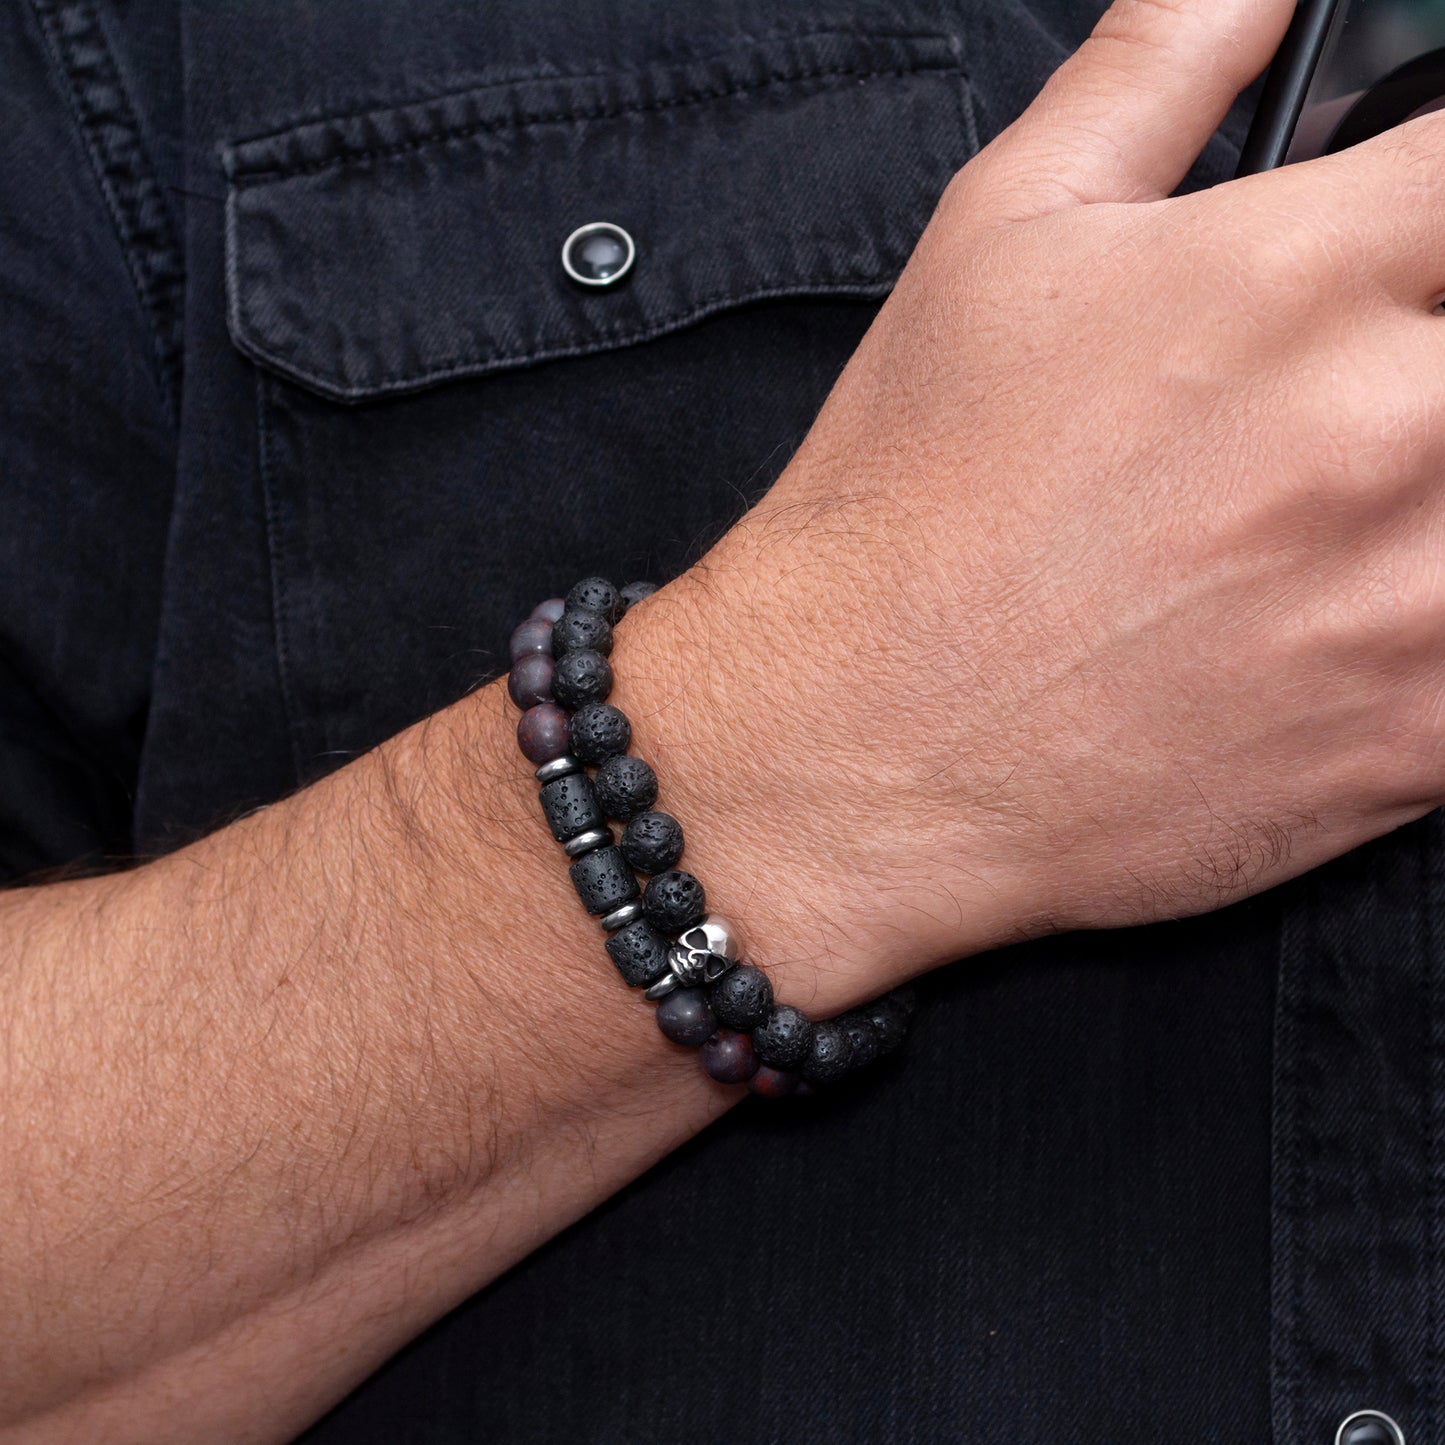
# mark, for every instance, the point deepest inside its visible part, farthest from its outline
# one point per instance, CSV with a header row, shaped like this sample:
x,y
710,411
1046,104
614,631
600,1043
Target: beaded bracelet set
x,y
661,938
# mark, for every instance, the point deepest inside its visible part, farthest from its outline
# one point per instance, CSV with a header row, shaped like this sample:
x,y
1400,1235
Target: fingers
x,y
1125,118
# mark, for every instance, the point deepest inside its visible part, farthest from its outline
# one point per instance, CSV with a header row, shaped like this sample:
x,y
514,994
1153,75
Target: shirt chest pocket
x,y
378,255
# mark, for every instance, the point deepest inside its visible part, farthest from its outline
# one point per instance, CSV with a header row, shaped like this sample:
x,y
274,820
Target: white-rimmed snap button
x,y
1369,1427
598,254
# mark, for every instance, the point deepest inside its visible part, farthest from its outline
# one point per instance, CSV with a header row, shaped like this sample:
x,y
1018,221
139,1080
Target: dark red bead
x,y
530,680
533,635
728,1057
685,1017
543,732
773,1083
551,610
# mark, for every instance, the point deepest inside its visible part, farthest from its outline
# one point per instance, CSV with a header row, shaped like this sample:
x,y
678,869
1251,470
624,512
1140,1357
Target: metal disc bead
x,y
586,842
557,768
621,917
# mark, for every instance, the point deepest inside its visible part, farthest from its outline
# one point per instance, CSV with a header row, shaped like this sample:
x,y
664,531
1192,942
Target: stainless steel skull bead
x,y
702,954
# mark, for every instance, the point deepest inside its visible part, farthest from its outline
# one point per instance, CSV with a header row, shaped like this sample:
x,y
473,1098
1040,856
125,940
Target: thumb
x,y
1127,115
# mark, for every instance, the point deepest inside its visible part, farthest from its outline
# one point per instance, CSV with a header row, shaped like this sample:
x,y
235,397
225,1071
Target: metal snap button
x,y
1369,1427
598,254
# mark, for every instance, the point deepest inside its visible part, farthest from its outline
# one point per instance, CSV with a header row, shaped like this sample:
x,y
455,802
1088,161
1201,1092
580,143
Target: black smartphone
x,y
1347,70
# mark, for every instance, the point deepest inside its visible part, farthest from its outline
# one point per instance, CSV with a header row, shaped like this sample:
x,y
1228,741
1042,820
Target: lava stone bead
x,y
674,900
603,880
770,1083
599,731
652,842
685,1017
783,1038
581,677
534,635
640,953
544,732
728,1057
530,680
580,632
596,594
829,1055
551,610
570,806
862,1039
626,786
634,592
742,997
889,1021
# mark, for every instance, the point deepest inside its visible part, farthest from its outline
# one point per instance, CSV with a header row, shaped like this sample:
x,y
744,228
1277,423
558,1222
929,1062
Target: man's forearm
x,y
269,1105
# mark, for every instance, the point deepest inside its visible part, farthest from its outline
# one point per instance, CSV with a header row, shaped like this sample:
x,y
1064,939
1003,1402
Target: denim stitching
x,y
111,132
241,177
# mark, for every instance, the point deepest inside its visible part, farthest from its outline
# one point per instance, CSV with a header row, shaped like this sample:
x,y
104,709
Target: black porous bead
x,y
652,842
742,997
640,953
530,680
570,806
626,786
770,1083
551,610
862,1039
634,592
889,1021
533,635
829,1056
543,732
685,1017
580,632
599,731
783,1038
674,901
728,1057
596,594
581,677
603,880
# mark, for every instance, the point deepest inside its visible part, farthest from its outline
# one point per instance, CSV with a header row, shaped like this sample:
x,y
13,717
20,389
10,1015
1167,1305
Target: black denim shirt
x,y
299,414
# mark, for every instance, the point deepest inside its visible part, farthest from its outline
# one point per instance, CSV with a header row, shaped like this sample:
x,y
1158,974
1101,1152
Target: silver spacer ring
x,y
621,917
562,767
664,986
586,842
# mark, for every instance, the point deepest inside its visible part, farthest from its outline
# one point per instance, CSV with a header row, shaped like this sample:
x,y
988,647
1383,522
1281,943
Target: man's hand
x,y
1110,584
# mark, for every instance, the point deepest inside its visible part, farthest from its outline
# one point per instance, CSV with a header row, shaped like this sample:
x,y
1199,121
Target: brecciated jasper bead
x,y
652,842
742,997
534,635
581,677
596,594
599,731
728,1057
530,680
685,1017
550,610
829,1056
626,786
570,806
544,732
782,1039
773,1083
640,953
603,880
580,632
634,592
674,901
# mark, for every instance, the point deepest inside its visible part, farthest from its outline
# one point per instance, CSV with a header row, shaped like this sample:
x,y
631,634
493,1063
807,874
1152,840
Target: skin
x,y
1107,587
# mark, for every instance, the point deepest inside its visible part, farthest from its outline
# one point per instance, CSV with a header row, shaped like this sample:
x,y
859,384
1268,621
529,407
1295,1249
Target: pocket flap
x,y
384,251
